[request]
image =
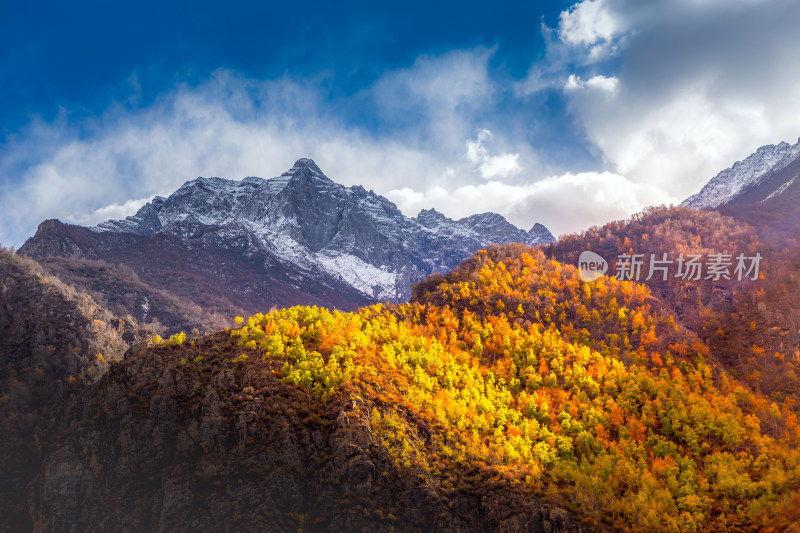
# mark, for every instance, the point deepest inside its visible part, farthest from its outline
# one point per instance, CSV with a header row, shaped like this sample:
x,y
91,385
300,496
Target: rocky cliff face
x,y
297,238
769,174
167,442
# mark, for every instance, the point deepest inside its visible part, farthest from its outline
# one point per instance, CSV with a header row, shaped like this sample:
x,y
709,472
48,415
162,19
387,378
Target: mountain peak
x,y
539,233
431,218
487,217
731,184
430,213
354,246
306,162
305,167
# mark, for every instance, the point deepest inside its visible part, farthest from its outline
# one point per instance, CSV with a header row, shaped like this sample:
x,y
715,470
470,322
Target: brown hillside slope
x,y
53,340
120,290
752,327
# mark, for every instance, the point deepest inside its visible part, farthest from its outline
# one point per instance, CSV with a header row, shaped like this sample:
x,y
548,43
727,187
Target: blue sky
x,y
570,113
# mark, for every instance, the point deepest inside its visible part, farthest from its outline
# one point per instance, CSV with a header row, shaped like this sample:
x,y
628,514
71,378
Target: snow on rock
x,y
729,183
313,224
780,189
377,282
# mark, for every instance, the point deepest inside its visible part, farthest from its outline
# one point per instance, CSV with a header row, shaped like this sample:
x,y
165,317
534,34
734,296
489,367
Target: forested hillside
x,y
192,436
54,341
591,395
751,327
506,395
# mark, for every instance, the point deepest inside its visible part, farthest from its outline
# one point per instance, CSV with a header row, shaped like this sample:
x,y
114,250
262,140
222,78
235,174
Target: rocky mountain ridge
x,y
763,176
297,238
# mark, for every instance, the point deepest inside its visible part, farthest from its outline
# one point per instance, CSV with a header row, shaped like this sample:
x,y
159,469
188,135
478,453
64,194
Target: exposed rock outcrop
x,y
163,443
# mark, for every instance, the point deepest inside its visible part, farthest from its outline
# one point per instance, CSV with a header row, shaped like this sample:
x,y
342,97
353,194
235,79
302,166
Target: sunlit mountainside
x,y
400,267
595,396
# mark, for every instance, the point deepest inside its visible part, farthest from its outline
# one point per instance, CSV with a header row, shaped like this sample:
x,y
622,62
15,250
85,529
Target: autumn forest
x,y
663,407
507,394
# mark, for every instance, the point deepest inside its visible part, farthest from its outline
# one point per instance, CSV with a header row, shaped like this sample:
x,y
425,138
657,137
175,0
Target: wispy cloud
x,y
591,24
491,166
234,127
662,94
568,202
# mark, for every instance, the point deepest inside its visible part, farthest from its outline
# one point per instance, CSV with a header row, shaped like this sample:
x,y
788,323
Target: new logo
x,y
591,266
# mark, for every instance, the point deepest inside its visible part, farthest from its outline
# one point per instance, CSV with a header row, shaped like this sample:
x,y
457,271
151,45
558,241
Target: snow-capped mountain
x,y
311,239
764,175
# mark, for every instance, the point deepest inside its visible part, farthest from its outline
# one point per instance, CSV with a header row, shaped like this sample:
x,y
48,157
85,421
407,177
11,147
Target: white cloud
x,y
587,23
588,34
696,85
688,136
109,212
573,82
442,93
499,166
565,203
443,82
491,166
603,83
